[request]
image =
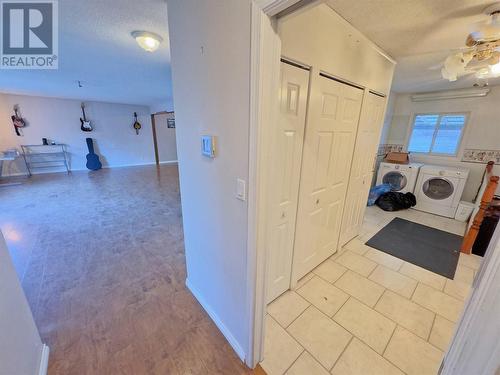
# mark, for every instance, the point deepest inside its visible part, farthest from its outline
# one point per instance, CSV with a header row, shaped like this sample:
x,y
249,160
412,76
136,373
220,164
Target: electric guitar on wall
x,y
86,125
17,121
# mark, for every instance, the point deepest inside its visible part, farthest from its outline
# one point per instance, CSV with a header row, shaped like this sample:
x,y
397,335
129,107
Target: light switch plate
x,y
241,189
208,146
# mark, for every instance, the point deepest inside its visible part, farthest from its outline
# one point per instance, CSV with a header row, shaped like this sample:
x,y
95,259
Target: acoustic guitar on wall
x,y
86,126
93,162
17,121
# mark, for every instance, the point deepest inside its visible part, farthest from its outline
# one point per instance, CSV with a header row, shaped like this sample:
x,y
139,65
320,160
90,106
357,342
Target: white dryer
x,y
439,189
401,177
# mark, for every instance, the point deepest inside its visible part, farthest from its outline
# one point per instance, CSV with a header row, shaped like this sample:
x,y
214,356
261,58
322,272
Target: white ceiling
x,y
96,48
418,34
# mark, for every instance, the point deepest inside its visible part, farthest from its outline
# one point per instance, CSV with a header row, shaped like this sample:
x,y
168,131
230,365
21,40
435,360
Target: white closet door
x,y
332,123
288,142
365,151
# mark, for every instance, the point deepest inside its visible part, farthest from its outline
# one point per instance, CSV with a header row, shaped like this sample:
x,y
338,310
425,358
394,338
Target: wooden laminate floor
x,y
101,259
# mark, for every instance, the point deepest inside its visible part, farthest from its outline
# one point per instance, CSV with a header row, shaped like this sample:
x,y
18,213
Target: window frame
x,y
466,114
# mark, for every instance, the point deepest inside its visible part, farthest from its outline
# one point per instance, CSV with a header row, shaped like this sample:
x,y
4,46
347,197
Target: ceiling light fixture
x,y
147,40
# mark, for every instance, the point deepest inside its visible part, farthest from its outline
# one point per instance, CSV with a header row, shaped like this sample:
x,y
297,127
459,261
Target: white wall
x,y
482,132
59,119
210,48
317,36
388,118
20,343
165,137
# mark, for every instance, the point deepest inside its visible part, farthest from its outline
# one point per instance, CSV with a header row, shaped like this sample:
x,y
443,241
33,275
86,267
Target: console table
x,y
10,155
45,156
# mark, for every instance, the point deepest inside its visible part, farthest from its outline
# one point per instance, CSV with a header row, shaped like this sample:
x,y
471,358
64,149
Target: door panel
x,y
332,122
287,143
367,140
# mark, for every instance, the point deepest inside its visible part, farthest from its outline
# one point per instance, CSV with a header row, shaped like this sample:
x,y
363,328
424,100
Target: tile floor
x,y
365,312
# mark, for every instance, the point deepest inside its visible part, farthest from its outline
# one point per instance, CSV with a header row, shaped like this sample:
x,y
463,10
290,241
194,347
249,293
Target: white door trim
x,y
273,7
264,106
475,344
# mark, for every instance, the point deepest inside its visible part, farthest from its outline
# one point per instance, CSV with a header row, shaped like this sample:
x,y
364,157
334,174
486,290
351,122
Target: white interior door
x,y
288,142
363,164
332,123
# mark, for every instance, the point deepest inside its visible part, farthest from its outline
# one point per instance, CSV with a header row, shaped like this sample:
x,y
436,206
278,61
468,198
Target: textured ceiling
x,y
419,34
96,48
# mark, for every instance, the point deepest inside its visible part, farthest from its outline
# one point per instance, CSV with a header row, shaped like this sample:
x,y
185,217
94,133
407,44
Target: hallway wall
x,y
20,344
59,120
210,49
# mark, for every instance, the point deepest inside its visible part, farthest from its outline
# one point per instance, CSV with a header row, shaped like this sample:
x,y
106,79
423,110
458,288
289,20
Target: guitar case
x,y
93,162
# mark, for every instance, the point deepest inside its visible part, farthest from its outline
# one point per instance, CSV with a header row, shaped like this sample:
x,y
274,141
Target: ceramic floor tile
x,y
330,271
357,263
457,289
360,359
366,324
280,349
423,275
439,302
384,259
287,308
306,364
442,332
464,274
471,261
394,281
357,246
324,339
408,314
360,287
304,280
412,354
323,295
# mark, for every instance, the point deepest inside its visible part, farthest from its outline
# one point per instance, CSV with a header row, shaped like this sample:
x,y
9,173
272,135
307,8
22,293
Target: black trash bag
x,y
393,201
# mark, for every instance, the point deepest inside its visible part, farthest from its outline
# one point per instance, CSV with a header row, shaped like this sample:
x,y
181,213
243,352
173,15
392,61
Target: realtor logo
x,y
29,38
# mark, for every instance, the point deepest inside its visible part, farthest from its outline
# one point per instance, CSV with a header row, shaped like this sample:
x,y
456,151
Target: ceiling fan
x,y
481,56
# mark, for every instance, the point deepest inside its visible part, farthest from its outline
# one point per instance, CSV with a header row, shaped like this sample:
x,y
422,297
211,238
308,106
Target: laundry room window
x,y
435,133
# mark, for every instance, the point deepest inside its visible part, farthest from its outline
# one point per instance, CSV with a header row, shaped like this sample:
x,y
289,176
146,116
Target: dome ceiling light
x,y
147,40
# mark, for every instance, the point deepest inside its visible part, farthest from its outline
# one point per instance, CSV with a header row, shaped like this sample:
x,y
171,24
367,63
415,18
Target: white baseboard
x,y
169,162
225,331
44,360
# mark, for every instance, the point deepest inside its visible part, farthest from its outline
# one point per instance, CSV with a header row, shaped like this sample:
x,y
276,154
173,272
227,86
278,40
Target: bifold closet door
x,y
332,123
365,152
287,143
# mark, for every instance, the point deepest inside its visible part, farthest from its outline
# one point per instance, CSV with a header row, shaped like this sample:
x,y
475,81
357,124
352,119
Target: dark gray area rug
x,y
429,248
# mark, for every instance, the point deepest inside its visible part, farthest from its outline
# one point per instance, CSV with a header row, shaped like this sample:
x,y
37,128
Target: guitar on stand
x,y
86,125
17,120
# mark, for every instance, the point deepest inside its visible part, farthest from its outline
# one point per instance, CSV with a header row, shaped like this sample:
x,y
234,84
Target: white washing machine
x,y
439,189
401,177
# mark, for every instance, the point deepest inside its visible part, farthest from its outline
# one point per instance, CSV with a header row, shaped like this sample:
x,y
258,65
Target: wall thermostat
x,y
208,146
